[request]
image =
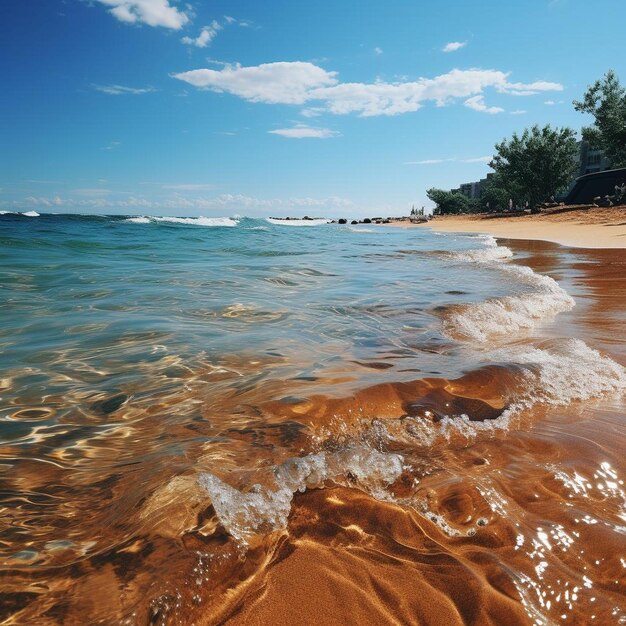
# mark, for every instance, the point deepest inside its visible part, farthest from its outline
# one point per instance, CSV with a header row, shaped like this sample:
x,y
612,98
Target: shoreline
x,y
576,228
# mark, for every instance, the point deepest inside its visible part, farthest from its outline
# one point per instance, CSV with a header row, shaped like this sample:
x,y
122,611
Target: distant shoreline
x,y
579,228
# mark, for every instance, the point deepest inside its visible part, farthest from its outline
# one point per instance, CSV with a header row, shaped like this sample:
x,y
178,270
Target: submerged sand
x,y
582,228
531,548
518,525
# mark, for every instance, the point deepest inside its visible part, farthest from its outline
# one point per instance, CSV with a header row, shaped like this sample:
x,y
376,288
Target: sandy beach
x,y
579,228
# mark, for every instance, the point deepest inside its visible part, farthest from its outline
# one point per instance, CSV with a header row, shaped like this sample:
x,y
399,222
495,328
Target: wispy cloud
x,y
208,33
111,146
301,131
120,90
188,186
518,112
301,82
180,186
529,89
91,192
378,51
427,162
44,182
481,159
453,46
477,103
223,202
206,36
150,12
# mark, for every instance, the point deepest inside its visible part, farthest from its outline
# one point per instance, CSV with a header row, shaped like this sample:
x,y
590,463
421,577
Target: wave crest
x,y
191,221
264,509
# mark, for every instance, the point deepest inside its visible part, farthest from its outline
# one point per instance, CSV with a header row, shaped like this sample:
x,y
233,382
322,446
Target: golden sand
x,y
580,228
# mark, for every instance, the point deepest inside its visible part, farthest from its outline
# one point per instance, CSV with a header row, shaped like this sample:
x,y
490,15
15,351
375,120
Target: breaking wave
x,y
285,222
263,509
497,317
25,214
566,370
192,221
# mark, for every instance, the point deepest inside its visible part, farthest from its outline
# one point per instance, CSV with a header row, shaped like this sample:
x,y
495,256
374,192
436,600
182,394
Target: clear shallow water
x,y
154,371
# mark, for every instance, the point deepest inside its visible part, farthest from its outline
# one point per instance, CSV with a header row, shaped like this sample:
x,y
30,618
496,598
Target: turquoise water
x,y
82,294
168,385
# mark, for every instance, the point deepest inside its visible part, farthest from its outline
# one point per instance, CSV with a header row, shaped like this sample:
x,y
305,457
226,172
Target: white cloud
x,y
151,12
303,82
482,159
453,46
477,103
301,131
206,36
378,51
118,90
427,162
112,146
312,112
518,112
273,83
529,89
187,187
92,192
221,203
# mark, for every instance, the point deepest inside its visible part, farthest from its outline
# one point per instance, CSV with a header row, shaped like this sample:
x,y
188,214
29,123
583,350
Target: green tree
x,y
495,196
606,101
538,164
452,202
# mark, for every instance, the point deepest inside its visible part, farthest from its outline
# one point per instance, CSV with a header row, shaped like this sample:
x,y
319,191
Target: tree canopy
x,y
452,202
606,101
537,164
495,195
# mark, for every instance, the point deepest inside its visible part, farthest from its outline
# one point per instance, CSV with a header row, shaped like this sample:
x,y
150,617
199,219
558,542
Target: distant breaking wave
x,y
315,222
26,214
192,221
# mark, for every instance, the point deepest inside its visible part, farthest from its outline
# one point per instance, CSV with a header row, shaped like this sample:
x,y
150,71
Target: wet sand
x,y
582,228
492,533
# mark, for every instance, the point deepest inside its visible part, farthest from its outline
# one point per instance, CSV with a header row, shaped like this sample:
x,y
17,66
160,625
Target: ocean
x,y
237,420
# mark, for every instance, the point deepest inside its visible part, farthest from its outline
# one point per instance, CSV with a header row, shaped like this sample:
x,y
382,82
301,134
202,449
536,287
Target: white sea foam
x,y
31,214
565,370
193,221
265,509
361,230
199,221
314,222
559,372
556,373
483,255
507,315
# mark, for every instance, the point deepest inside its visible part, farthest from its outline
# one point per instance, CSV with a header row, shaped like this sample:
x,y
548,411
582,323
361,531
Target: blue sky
x,y
330,108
